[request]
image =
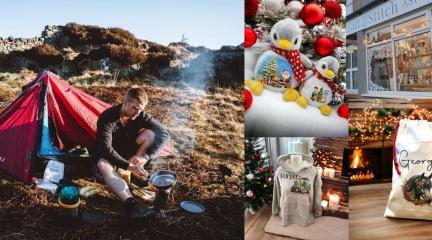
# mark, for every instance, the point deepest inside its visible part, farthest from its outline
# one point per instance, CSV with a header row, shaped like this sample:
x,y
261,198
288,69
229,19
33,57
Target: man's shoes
x,y
133,209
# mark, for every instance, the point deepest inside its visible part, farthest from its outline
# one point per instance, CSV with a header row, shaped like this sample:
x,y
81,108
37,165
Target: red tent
x,y
72,112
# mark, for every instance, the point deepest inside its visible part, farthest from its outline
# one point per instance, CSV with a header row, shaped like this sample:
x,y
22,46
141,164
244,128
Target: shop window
x,y
413,24
380,69
414,63
351,71
354,79
379,35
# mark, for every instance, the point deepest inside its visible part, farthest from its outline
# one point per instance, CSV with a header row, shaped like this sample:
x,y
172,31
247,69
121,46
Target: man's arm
x,y
104,145
161,135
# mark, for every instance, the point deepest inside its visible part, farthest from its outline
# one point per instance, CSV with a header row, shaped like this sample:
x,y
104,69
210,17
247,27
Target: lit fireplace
x,y
366,165
357,159
360,173
361,177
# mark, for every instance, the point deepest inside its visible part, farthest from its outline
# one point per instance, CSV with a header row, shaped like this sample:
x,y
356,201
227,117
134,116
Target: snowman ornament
x,y
319,87
281,69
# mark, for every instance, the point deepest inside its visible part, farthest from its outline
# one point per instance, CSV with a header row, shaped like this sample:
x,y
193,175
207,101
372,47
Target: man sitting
x,y
127,138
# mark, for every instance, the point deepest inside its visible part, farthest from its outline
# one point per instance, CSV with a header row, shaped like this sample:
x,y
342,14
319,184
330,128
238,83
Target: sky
x,y
206,23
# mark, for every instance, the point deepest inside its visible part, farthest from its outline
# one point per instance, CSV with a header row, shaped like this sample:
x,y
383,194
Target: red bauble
x,y
268,181
250,37
324,46
312,14
257,157
251,8
253,197
247,99
343,111
332,9
260,169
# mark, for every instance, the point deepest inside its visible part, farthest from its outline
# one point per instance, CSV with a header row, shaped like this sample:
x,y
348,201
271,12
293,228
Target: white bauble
x,y
250,176
274,4
249,193
294,9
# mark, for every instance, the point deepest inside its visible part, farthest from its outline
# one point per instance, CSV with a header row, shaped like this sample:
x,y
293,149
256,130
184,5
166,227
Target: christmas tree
x,y
323,28
258,175
269,69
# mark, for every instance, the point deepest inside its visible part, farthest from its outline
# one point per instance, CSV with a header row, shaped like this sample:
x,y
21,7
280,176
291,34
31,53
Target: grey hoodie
x,y
297,191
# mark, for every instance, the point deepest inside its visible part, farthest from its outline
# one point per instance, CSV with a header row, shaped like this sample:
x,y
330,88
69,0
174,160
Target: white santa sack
x,y
410,196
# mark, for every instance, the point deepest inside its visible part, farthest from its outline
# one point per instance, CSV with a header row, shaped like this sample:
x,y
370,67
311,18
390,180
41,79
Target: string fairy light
x,y
372,124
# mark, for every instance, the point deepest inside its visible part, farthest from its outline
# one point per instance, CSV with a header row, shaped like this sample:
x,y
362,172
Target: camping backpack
x,y
410,196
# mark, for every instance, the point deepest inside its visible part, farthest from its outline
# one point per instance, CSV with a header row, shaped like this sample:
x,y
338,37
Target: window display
x,y
379,35
380,68
410,25
414,63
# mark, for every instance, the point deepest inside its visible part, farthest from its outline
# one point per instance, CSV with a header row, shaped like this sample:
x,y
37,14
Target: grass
x,y
206,131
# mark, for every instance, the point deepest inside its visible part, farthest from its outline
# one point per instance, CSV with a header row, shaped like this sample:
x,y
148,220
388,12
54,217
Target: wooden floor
x,y
255,223
367,204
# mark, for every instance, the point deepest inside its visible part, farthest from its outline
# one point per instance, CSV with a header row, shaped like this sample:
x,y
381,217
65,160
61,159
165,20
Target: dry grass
x,y
206,131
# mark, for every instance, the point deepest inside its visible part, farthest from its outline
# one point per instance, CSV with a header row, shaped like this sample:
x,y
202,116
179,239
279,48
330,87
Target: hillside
x,y
74,50
193,91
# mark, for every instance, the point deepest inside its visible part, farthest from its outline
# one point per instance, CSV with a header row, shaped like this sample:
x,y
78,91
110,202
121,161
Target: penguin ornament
x,y
318,88
280,69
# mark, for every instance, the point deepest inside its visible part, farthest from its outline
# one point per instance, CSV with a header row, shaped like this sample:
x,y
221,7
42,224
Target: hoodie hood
x,y
285,162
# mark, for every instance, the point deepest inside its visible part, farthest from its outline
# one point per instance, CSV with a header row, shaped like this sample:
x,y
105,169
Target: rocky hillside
x,y
73,50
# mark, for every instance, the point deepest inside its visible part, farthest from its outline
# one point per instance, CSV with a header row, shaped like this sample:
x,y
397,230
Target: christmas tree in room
x,y
258,175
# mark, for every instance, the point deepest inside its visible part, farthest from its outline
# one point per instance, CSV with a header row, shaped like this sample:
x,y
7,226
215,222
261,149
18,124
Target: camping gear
x,y
89,191
48,118
164,179
163,182
69,201
53,174
192,207
46,185
54,171
410,196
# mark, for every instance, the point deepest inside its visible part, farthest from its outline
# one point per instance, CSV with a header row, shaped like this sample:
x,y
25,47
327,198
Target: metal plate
x,y
192,207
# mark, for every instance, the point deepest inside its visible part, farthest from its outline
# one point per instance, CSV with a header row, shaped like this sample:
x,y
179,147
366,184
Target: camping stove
x,y
163,181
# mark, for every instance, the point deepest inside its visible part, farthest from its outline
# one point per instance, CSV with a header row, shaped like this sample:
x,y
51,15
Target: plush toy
x,y
318,88
281,69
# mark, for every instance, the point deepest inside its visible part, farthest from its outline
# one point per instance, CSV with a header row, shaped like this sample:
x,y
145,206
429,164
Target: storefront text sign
x,y
383,12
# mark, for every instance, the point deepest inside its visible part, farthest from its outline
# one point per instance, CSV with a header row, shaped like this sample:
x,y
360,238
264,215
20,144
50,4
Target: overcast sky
x,y
204,22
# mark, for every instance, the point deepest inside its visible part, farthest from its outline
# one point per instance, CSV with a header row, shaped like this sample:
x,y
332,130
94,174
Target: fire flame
x,y
361,177
357,159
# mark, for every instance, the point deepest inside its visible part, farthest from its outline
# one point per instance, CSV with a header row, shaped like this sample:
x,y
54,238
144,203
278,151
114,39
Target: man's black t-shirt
x,y
117,142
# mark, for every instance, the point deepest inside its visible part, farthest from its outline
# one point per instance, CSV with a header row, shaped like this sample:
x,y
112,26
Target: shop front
x,y
393,53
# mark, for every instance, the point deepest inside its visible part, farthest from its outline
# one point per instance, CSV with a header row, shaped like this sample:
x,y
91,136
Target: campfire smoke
x,y
189,83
